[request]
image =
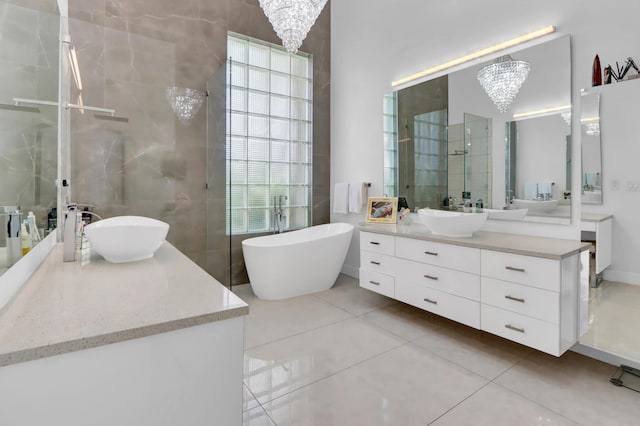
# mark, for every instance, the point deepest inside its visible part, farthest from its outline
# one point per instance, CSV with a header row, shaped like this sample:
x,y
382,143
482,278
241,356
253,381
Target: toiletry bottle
x,y
14,242
479,205
26,238
33,227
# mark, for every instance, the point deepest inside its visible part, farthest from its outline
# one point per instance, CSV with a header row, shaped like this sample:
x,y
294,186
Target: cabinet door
x,y
458,283
375,281
456,308
528,331
522,299
451,256
528,270
378,262
377,243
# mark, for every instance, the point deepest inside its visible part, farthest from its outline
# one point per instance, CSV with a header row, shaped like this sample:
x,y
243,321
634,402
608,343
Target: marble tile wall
x,y
28,69
154,165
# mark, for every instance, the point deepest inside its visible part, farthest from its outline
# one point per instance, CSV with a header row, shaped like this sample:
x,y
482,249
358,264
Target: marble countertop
x,y
550,248
594,217
71,306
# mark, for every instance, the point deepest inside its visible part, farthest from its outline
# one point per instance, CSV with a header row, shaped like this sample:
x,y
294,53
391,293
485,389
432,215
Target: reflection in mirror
x,y
538,165
591,149
456,166
28,151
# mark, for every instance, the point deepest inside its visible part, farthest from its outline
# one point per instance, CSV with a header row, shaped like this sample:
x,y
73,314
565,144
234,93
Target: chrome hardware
x,y
516,299
511,327
375,263
433,302
431,277
374,283
375,243
511,268
431,253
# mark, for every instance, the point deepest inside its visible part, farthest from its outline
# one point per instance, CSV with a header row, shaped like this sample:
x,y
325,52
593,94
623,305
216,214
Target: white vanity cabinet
x,y
533,298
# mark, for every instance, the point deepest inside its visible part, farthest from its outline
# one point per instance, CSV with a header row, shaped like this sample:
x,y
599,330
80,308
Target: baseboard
x,y
352,271
621,276
604,356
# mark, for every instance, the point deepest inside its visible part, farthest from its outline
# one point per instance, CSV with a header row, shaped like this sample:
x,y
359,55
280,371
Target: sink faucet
x,y
278,216
72,219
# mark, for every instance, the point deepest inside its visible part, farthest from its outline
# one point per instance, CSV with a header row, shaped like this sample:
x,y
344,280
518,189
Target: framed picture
x,y
382,209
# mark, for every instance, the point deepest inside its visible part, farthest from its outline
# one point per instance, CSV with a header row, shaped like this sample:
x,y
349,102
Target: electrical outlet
x,y
633,185
615,185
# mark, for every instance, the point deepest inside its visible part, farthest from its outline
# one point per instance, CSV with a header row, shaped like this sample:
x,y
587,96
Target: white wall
x,y
376,42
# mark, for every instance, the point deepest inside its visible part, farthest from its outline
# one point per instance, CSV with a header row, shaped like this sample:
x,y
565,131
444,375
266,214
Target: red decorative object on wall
x,y
596,76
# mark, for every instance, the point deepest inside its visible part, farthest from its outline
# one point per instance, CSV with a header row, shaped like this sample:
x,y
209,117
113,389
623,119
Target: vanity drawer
x,y
456,308
375,281
522,299
534,271
378,243
447,255
458,283
528,331
378,262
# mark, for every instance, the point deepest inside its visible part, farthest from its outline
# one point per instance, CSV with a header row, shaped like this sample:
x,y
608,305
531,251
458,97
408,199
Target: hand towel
x,y
530,191
357,196
341,198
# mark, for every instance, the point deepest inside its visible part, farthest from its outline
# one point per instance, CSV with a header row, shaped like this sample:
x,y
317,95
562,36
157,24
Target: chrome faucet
x,y
279,218
72,217
509,195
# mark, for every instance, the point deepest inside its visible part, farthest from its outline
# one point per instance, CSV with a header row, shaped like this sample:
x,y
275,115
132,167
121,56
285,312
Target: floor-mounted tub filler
x,y
298,262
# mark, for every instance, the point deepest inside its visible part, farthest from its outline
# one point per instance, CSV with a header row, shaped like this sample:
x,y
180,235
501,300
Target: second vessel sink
x,y
452,224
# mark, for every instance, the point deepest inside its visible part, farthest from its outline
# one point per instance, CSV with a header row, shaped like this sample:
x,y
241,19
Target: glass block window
x,y
269,136
390,132
430,153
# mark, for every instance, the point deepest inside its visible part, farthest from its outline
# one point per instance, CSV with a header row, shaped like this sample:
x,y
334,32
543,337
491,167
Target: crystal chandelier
x,y
185,102
502,80
292,19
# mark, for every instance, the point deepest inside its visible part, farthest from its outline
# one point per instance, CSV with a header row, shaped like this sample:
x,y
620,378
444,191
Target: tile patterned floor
x,y
614,315
348,356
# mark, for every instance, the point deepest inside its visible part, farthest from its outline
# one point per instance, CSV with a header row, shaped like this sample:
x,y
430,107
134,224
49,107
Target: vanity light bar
x,y
542,111
478,54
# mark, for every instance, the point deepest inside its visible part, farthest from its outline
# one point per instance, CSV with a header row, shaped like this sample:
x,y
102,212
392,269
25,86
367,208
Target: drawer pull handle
x,y
511,327
374,283
433,302
375,243
375,263
431,253
516,299
431,277
511,268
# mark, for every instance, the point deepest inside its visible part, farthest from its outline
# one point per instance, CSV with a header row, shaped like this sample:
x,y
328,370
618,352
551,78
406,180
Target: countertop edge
x,y
60,348
468,242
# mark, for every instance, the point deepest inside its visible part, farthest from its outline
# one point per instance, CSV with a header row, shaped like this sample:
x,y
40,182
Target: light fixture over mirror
x,y
502,80
292,19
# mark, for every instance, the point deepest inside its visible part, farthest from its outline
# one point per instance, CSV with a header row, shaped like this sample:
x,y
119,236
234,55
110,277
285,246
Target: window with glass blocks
x,y
269,136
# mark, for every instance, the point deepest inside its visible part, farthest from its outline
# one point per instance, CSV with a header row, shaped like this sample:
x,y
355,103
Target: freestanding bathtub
x,y
297,262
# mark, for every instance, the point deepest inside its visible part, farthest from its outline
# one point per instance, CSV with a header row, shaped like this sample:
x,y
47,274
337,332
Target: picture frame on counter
x,y
382,209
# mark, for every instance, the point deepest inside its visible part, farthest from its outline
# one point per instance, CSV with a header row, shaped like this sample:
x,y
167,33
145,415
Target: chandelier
x,y
502,80
185,102
292,19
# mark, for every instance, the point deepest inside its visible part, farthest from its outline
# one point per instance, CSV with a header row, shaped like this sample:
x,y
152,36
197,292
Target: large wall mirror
x,y
440,138
28,132
591,149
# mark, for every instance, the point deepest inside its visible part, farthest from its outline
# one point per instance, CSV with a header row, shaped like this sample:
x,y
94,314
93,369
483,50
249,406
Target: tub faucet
x,y
278,216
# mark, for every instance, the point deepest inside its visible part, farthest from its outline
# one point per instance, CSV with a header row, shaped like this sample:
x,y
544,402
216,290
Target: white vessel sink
x,y
512,214
126,238
452,224
535,206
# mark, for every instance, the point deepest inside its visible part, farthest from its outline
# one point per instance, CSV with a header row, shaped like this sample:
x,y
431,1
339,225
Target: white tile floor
x,y
614,315
348,356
